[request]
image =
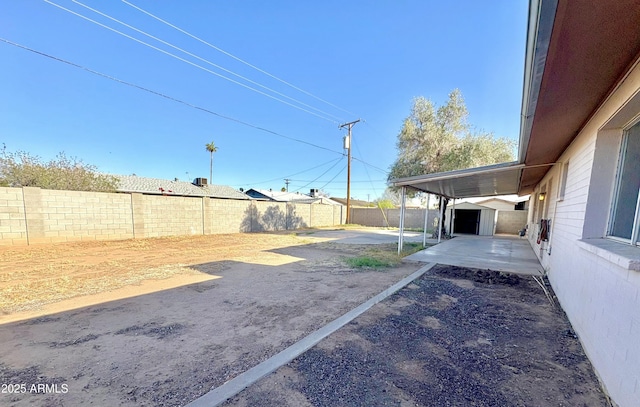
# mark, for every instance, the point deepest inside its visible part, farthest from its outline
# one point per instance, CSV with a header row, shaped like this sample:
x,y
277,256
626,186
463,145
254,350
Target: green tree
x,y
211,148
439,138
385,204
21,169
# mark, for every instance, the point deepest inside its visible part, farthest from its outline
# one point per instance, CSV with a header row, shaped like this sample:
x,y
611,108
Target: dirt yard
x,y
85,319
160,322
454,337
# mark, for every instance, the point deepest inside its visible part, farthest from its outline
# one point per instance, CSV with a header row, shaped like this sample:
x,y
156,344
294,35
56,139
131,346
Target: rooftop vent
x,y
201,182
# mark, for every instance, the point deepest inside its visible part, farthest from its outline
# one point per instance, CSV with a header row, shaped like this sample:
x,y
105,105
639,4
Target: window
x,y
562,187
625,212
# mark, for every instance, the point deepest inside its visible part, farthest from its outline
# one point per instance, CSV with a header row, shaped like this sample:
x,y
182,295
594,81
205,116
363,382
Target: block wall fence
x,y
33,215
508,222
414,218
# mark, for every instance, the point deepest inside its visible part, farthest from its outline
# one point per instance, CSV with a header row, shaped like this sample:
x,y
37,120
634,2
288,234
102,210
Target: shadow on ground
x,y
169,347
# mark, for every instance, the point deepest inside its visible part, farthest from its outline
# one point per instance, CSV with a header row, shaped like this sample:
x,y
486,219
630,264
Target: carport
x,y
502,254
492,180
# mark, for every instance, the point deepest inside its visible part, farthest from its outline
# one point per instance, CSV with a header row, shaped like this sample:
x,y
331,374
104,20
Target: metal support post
x,y
402,212
426,222
440,221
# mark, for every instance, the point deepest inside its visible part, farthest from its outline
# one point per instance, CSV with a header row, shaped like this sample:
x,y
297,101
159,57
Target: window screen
x,y
628,185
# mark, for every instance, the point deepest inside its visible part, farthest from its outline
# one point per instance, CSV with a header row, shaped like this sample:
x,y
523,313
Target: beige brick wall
x,y
339,215
13,226
322,215
269,216
510,222
60,216
299,215
167,215
229,216
414,218
34,215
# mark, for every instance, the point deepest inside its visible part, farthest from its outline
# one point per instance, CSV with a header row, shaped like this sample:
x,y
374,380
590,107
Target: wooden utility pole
x,y
347,145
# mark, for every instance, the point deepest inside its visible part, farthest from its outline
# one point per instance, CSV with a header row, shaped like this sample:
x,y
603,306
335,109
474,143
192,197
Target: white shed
x,y
471,219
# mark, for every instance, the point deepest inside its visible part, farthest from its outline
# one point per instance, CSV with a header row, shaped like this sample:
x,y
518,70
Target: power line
x,y
203,59
334,177
291,175
186,61
215,73
341,182
365,170
370,165
319,176
236,58
254,67
168,97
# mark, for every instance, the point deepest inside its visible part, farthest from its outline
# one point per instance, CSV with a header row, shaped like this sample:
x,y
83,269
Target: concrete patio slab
x,y
499,253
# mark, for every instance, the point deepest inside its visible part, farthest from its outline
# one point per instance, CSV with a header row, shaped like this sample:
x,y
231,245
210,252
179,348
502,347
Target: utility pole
x,y
347,145
287,181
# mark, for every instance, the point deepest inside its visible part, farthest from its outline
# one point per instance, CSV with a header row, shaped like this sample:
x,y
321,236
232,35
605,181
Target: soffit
x,y
592,45
500,179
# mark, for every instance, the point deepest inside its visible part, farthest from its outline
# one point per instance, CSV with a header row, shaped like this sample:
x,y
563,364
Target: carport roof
x,y
498,179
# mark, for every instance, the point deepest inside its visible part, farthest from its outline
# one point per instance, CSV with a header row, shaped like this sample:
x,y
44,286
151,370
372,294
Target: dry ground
x,y
159,322
219,305
453,337
31,276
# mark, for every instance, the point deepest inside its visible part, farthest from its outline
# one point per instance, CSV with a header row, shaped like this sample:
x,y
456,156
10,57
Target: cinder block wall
x,y
158,216
34,215
414,218
510,222
269,216
299,216
13,225
322,215
227,215
60,216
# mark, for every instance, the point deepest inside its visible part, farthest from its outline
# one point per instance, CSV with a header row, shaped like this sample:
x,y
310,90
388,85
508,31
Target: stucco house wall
x,y
594,278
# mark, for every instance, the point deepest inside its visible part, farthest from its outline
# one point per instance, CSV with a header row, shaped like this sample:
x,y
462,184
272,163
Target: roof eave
x,y
539,29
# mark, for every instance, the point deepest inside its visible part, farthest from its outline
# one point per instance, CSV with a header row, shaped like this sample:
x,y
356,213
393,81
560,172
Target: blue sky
x,y
368,59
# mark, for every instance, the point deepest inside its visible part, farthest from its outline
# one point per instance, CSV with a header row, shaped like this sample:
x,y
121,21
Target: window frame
x,y
635,227
562,185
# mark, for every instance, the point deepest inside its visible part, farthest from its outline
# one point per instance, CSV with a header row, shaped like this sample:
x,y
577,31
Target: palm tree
x,y
211,148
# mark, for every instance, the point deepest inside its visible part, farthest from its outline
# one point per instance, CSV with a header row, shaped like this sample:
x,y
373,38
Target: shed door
x,y
467,221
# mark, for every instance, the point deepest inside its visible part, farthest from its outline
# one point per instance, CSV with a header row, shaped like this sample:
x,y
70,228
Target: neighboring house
x,y
504,204
579,158
156,186
354,203
292,197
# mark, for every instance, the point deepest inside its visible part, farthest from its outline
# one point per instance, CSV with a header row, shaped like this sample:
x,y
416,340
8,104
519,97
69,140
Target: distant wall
x,y
34,215
510,222
414,218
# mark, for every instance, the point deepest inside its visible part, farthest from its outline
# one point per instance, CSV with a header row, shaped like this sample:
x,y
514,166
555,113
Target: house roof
x,y
577,53
510,200
157,186
352,202
280,196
